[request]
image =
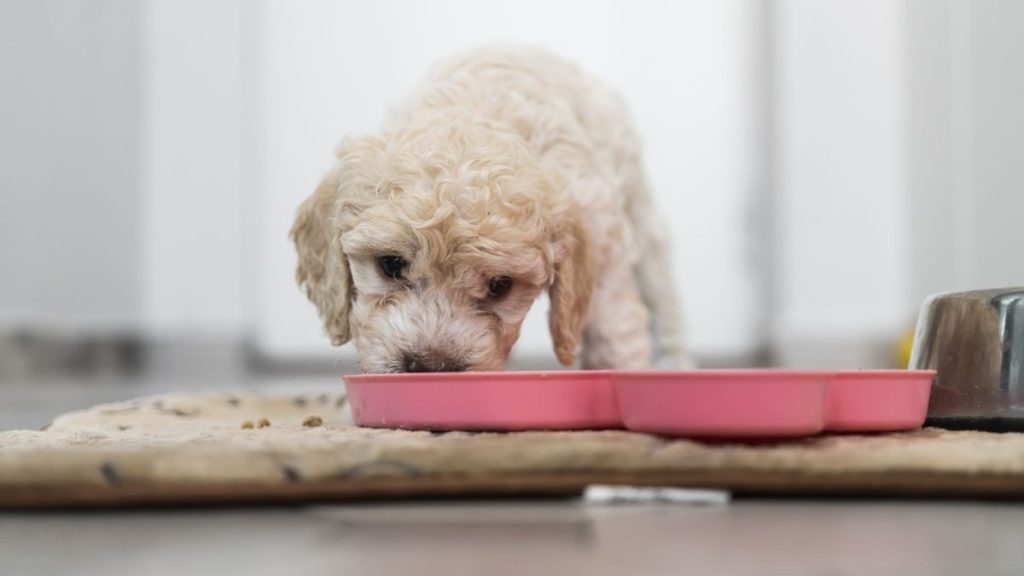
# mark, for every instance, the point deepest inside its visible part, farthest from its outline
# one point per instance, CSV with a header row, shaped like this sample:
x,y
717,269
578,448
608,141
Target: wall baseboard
x,y
30,355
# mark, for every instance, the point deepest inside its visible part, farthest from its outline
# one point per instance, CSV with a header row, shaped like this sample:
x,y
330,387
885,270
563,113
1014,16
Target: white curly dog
x,y
511,173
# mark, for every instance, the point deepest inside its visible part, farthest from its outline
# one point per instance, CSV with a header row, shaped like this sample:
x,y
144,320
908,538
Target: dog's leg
x,y
617,334
654,276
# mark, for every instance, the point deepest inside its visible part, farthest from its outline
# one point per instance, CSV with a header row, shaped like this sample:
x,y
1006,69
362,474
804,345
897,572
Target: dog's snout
x,y
431,363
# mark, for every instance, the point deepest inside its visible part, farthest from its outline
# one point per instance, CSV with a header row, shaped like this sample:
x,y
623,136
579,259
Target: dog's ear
x,y
571,289
323,268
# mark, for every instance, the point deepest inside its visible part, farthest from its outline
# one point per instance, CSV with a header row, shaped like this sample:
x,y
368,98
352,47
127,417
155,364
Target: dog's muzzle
x,y
431,363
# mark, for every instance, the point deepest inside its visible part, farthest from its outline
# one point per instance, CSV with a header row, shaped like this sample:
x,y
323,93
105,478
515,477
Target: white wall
x,y
194,200
899,170
120,165
839,147
69,165
334,68
966,127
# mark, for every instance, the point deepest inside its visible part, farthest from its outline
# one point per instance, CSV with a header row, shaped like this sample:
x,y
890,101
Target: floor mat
x,y
244,447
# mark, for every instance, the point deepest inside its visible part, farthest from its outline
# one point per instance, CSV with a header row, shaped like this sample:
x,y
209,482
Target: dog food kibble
x,y
312,421
247,424
263,423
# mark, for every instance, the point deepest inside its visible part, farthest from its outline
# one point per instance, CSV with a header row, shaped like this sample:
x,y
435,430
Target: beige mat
x,y
193,449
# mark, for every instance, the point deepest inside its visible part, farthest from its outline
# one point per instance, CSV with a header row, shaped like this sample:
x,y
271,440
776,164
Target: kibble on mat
x,y
262,423
312,421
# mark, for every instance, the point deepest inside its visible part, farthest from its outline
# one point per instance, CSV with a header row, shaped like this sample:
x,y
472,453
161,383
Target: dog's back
x,y
581,131
567,116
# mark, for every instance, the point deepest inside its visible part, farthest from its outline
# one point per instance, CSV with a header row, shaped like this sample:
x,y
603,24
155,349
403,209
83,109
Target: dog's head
x,y
427,247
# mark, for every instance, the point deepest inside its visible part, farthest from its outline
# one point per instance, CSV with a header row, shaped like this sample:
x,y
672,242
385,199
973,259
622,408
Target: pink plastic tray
x,y
697,403
724,403
558,400
878,400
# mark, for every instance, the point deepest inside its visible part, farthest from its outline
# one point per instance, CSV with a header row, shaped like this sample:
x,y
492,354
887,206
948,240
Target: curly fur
x,y
508,163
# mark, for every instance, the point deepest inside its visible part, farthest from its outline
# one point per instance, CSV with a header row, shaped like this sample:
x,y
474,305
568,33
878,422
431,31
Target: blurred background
x,y
824,164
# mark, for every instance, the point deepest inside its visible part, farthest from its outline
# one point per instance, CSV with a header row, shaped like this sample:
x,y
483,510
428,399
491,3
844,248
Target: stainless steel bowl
x,y
975,340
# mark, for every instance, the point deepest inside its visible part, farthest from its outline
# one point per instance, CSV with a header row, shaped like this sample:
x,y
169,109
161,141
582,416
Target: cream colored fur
x,y
509,162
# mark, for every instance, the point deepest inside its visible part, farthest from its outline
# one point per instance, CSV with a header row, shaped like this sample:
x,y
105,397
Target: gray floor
x,y
559,537
791,537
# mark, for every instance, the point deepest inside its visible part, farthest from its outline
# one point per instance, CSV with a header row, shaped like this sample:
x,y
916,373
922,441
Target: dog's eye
x,y
499,286
392,266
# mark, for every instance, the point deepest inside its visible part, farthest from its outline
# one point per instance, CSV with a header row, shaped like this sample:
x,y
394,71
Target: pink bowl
x,y
558,400
878,400
723,403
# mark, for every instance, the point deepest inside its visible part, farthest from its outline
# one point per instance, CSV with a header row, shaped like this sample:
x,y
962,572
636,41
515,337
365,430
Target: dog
x,y
511,173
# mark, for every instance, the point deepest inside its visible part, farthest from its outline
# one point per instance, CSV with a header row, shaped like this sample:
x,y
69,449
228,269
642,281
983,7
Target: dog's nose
x,y
431,363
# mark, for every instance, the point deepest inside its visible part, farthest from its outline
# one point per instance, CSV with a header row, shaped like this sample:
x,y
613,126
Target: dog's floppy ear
x,y
323,268
571,289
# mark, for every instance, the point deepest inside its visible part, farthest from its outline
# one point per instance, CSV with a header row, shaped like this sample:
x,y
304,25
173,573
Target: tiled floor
x,y
564,537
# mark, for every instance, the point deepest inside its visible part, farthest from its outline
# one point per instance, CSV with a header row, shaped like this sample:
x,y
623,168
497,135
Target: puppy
x,y
510,174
